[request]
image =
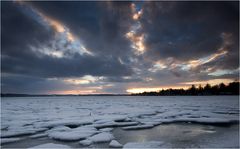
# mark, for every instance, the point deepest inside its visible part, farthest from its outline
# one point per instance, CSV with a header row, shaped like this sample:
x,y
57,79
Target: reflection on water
x,y
188,131
183,135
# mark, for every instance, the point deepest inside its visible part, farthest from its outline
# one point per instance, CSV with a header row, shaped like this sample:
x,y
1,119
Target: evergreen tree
x,y
220,89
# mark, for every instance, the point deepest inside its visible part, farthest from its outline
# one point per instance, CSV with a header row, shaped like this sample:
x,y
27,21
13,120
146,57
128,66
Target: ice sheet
x,y
78,117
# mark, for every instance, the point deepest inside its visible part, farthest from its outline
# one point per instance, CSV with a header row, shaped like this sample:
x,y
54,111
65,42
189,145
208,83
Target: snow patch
x,y
102,137
86,142
73,134
59,128
106,129
115,143
127,124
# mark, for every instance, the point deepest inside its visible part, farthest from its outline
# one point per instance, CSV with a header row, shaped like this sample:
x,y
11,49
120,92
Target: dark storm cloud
x,y
123,79
100,25
20,32
175,32
12,83
189,30
76,66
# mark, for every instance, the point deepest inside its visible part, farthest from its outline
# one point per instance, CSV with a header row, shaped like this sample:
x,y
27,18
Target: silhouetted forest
x,y
220,89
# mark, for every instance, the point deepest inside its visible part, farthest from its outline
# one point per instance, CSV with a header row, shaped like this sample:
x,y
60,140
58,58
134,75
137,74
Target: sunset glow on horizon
x,y
154,89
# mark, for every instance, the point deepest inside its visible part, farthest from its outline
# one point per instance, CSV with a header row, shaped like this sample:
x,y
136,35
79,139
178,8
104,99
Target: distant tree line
x,y
220,89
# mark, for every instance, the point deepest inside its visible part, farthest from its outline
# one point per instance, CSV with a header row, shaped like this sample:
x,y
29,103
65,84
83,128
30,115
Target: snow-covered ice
x,y
86,142
92,118
73,134
9,140
49,145
146,126
19,131
102,137
106,129
115,143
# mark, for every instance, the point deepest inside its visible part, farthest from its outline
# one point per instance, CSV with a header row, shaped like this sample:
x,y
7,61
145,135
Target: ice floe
x,y
138,127
50,145
114,144
106,129
59,128
86,142
20,131
9,140
115,124
73,134
102,137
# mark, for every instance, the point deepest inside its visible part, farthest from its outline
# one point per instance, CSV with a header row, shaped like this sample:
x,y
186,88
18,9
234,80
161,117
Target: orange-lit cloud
x,y
191,64
201,61
70,37
54,23
171,63
136,14
133,7
137,41
58,26
74,92
159,65
222,51
82,90
83,80
63,31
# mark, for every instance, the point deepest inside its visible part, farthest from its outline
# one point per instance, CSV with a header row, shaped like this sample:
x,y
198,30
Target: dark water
x,y
176,135
184,135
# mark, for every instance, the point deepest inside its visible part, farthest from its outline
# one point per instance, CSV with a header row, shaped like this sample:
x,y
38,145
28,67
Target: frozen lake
x,y
87,121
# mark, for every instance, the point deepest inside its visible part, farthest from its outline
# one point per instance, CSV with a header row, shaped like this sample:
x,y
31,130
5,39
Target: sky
x,y
109,47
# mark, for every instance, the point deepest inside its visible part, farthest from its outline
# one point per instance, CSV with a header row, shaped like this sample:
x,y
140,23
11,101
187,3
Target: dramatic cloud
x,y
115,47
187,30
23,34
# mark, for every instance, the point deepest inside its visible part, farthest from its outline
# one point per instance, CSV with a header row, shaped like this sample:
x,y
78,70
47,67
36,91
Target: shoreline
x,y
106,95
